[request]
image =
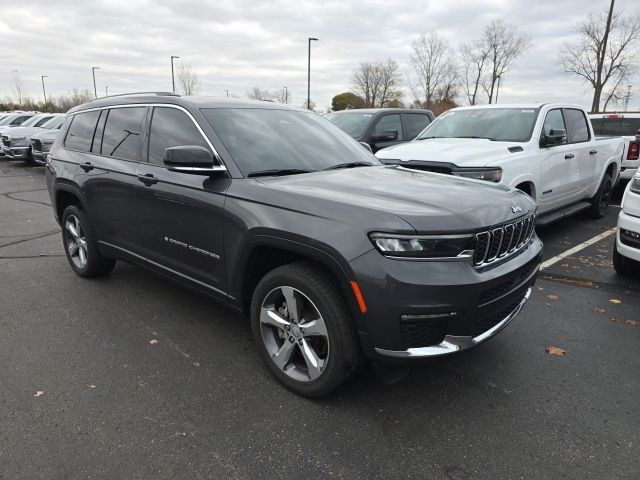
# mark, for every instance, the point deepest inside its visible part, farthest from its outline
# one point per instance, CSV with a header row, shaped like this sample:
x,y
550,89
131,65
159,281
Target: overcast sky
x,y
244,43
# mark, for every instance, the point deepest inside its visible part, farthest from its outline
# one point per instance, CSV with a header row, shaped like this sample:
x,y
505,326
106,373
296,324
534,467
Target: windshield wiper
x,y
475,136
277,172
433,136
350,165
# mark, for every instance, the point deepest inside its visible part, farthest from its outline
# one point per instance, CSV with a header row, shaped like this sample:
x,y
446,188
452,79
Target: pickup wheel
x,y
600,202
80,244
303,330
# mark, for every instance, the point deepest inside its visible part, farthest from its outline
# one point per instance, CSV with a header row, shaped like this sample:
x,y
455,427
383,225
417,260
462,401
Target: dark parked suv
x,y
275,211
382,127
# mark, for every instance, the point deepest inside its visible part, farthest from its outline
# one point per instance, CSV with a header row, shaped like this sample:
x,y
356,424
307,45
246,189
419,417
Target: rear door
x,y
558,173
414,124
107,173
181,214
384,123
585,162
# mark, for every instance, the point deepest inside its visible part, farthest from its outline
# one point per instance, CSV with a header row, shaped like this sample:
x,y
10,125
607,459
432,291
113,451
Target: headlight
x,y
488,174
422,246
16,141
635,185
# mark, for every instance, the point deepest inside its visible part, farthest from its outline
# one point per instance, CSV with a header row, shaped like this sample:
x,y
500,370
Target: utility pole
x,y
627,98
286,95
106,91
227,91
44,92
93,72
173,80
311,39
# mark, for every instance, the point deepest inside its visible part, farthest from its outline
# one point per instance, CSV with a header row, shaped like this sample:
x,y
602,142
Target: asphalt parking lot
x,y
130,376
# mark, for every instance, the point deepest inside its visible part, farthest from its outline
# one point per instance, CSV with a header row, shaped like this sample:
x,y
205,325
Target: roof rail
x,y
159,94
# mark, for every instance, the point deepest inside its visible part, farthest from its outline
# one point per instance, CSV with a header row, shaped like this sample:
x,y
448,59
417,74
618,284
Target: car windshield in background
x,y
352,124
7,120
53,123
261,140
31,122
617,127
497,124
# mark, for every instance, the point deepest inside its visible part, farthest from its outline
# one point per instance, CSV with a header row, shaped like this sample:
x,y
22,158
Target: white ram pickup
x,y
549,151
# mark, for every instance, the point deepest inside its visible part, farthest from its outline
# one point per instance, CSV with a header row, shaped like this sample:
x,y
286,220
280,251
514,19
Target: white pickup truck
x,y
549,151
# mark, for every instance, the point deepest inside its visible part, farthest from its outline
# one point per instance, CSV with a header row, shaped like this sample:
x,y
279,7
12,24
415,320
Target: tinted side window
x,y
20,120
630,126
577,123
122,136
554,121
97,136
80,132
389,122
171,127
416,123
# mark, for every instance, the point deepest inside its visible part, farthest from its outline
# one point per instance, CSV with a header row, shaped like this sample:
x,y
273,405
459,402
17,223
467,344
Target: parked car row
x,y
28,136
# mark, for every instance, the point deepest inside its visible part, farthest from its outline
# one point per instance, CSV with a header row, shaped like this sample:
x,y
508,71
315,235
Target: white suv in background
x,y
625,125
627,248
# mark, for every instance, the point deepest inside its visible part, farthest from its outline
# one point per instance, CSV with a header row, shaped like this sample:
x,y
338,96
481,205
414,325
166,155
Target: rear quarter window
x,y
80,131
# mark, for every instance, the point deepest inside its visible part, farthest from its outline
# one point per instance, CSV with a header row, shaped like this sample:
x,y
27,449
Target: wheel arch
x,y
65,195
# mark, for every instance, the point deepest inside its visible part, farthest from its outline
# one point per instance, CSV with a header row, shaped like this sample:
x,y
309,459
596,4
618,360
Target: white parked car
x,y
548,151
625,125
626,252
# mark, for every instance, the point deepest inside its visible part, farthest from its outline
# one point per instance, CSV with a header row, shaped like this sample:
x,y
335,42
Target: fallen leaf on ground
x,y
92,386
565,265
615,300
599,309
555,351
39,393
551,296
633,323
540,288
153,341
615,319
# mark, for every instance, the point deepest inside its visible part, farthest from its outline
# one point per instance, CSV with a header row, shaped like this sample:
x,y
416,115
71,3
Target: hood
x,y
462,152
22,131
429,202
46,134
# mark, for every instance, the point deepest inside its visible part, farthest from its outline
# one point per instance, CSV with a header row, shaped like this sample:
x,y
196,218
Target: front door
x,y
181,214
390,121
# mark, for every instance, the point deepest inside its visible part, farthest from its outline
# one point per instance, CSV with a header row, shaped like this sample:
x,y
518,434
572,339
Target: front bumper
x,y
420,309
628,247
18,153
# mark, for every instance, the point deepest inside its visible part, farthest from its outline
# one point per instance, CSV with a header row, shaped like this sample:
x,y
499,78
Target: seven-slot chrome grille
x,y
499,243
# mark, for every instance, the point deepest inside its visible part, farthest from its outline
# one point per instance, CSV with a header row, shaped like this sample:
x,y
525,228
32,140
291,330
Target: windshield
x,y
269,139
6,120
32,121
497,124
53,123
352,124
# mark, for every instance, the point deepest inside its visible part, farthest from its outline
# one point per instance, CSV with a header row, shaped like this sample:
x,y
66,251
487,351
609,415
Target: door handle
x,y
569,155
593,152
87,166
147,179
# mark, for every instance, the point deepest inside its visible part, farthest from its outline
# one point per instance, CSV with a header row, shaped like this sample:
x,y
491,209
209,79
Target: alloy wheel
x,y
75,241
294,334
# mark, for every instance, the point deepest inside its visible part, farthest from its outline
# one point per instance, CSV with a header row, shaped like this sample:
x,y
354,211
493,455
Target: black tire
x,y
600,202
95,263
344,357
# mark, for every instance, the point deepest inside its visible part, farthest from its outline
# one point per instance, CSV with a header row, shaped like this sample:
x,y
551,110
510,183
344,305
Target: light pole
x,y
286,95
93,72
106,91
227,92
44,92
173,80
498,88
311,39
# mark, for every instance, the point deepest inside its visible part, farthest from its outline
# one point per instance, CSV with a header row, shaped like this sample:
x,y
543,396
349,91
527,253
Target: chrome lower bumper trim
x,y
452,343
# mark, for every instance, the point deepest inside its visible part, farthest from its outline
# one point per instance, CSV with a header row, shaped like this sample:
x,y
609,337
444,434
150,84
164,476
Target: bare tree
x,y
433,65
188,79
256,93
474,57
377,83
619,90
503,45
17,87
604,49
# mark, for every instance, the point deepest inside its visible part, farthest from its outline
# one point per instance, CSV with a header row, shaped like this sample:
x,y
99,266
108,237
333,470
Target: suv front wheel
x,y
80,244
303,330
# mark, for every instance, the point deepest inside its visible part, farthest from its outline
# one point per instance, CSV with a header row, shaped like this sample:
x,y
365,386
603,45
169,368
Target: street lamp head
x,y
174,56
95,68
313,39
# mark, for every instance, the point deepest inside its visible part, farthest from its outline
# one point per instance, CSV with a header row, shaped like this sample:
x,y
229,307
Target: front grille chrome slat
x,y
499,243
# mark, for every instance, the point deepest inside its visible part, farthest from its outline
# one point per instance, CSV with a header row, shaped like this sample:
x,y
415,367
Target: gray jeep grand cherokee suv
x,y
276,212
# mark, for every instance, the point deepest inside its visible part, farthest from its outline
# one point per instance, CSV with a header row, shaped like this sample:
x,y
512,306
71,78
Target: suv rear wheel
x,y
80,244
303,330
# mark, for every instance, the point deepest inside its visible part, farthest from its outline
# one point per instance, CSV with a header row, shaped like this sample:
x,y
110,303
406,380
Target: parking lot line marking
x,y
577,248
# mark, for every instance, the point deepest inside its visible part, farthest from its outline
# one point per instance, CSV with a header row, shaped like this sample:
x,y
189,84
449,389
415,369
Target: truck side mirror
x,y
385,136
555,137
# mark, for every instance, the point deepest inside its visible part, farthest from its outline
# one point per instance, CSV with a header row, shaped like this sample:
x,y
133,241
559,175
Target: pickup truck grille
x,y
504,241
36,145
5,141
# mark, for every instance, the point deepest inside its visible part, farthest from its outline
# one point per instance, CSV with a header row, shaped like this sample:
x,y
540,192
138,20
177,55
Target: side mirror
x,y
366,146
191,159
555,137
385,136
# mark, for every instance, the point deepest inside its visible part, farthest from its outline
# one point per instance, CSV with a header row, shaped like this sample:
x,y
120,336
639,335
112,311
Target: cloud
x,y
240,44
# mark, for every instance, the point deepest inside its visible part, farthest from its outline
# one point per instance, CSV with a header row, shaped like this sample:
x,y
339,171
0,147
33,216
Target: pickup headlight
x,y
415,246
489,174
18,141
635,185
